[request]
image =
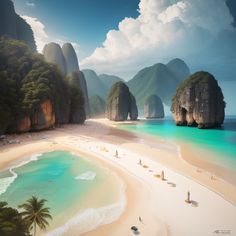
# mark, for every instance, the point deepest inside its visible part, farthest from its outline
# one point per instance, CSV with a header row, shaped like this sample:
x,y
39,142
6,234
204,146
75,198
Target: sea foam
x,y
7,181
89,219
88,175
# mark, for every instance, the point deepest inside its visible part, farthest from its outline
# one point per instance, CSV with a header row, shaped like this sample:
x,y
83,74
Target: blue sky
x,y
121,37
85,22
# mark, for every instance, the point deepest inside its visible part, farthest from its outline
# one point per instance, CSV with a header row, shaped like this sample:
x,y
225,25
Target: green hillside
x,y
158,79
99,85
94,84
109,80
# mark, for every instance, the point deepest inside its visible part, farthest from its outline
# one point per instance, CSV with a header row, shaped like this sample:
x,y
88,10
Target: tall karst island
x,y
117,118
199,101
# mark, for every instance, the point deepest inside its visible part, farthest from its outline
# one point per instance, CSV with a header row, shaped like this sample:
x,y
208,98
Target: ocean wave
x,y
88,175
7,181
90,219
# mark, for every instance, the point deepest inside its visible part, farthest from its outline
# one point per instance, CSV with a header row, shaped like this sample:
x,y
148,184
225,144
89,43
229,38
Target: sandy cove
x,y
160,204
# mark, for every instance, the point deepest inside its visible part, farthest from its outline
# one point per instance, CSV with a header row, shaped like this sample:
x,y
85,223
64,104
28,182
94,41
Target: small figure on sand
x,y
116,155
188,198
140,219
213,177
162,175
140,162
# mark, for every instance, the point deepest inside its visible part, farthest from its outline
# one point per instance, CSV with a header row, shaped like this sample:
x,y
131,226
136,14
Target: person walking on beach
x,y
116,155
140,219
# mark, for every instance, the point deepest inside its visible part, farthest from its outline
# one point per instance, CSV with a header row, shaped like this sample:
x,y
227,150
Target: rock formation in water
x,y
70,58
199,102
13,26
121,103
153,107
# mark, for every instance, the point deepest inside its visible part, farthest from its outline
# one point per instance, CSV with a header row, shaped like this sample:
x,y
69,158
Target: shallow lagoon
x,y
74,187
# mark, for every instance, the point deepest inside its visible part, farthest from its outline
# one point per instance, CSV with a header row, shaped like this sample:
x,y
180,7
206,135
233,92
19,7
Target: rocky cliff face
x,y
199,102
24,124
67,62
120,103
77,99
44,118
13,26
153,107
133,111
70,58
79,76
53,54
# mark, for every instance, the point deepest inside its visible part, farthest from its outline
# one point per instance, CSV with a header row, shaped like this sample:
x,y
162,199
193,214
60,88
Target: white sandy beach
x,y
160,204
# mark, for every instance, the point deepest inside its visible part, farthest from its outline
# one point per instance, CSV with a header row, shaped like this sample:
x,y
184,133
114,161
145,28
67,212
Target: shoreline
x,y
189,159
147,196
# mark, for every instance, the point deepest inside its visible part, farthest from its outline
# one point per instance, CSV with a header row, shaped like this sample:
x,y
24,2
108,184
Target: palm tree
x,y
11,222
35,214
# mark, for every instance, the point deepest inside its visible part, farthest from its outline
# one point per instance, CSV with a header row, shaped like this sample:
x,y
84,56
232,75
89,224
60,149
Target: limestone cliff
x,y
24,125
199,102
13,26
133,111
53,53
44,118
77,108
70,58
121,103
79,76
153,107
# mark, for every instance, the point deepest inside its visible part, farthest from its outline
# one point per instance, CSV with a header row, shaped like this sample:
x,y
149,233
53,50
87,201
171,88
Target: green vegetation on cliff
x,y
26,81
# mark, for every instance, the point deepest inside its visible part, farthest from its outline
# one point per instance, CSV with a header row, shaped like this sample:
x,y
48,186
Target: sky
x,y
83,22
121,37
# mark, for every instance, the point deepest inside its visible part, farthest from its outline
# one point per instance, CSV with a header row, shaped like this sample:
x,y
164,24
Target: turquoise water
x,y
221,143
65,180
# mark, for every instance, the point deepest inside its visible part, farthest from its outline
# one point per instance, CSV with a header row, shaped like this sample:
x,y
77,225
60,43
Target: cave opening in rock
x,y
183,115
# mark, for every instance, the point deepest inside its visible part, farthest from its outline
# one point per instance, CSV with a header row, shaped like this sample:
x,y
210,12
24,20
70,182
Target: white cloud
x,y
30,4
42,37
163,30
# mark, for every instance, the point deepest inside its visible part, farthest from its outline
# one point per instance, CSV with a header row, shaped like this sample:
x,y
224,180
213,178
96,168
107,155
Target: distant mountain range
x,y
99,85
160,80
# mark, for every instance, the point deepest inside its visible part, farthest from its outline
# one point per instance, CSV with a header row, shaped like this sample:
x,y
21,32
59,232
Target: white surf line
x,y
7,181
167,199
